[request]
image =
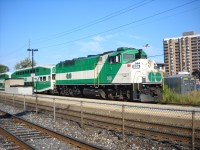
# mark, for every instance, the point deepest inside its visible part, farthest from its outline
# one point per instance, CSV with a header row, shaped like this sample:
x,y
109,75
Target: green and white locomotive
x,y
122,74
3,77
43,76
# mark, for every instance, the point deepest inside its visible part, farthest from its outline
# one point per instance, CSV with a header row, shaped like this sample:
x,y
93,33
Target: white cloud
x,y
95,44
98,38
130,35
90,46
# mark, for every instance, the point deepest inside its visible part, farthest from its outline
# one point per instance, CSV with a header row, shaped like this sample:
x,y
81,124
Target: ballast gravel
x,y
98,136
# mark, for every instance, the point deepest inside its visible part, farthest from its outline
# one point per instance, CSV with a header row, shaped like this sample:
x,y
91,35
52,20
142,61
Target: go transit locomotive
x,y
122,74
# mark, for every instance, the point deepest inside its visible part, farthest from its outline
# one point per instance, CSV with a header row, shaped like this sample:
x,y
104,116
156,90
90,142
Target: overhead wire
x,y
121,26
112,29
16,50
94,22
89,24
156,55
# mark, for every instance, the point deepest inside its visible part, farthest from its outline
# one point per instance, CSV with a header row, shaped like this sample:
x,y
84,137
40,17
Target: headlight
x,y
155,66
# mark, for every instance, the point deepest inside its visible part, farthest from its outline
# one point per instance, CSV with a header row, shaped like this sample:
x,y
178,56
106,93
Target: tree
x,y
3,68
24,64
196,73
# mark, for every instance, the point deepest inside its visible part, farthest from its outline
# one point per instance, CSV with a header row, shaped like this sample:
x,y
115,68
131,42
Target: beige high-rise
x,y
182,53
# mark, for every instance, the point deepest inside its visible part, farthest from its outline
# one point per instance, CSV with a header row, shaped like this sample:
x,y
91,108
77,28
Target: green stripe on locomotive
x,y
76,65
100,70
41,73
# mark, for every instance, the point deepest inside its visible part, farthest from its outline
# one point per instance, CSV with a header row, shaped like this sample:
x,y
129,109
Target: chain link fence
x,y
178,125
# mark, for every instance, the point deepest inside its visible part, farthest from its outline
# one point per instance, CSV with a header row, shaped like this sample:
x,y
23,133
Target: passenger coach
x,y
44,77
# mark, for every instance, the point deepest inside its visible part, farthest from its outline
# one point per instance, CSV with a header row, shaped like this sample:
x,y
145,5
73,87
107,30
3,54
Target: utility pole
x,y
29,45
33,50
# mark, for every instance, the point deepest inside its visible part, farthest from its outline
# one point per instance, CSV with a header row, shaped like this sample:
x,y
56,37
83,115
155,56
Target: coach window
x,y
44,78
53,76
40,78
49,78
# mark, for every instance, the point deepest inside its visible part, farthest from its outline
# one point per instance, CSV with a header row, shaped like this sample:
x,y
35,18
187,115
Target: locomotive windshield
x,y
128,57
141,54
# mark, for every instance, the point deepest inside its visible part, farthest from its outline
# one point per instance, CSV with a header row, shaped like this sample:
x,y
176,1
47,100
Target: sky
x,y
66,29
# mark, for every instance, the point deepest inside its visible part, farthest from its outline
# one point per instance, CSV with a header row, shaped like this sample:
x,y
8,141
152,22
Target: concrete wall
x,y
19,90
14,82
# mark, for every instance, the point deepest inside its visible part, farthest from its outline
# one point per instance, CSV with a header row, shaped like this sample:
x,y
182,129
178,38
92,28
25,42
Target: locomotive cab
x,y
139,72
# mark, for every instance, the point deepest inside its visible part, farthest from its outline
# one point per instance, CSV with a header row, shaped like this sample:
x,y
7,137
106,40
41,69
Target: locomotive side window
x,y
114,59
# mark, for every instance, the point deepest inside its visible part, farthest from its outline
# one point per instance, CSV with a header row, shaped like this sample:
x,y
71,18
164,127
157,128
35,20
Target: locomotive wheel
x,y
158,96
71,92
103,94
110,96
128,94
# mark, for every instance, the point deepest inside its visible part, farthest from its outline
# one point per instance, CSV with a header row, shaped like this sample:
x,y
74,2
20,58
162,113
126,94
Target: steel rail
x,y
69,140
11,137
23,145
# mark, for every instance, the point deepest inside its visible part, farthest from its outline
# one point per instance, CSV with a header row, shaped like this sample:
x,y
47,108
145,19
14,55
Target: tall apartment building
x,y
182,53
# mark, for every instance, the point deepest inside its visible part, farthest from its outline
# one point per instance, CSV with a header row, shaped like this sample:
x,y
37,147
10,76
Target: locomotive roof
x,y
119,50
122,50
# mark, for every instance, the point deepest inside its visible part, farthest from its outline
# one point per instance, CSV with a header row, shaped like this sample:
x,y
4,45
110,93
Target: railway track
x,y
178,131
7,141
21,132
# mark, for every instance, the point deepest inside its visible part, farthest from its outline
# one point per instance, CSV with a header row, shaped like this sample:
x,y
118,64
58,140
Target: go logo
x,y
155,77
68,75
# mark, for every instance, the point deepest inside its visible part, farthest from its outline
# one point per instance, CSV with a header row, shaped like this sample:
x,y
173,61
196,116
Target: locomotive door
x,y
97,69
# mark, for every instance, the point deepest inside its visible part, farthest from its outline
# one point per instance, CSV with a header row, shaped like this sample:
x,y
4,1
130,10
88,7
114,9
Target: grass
x,y
192,98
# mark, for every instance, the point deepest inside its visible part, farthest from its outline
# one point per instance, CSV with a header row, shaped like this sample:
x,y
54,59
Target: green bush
x,y
192,98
